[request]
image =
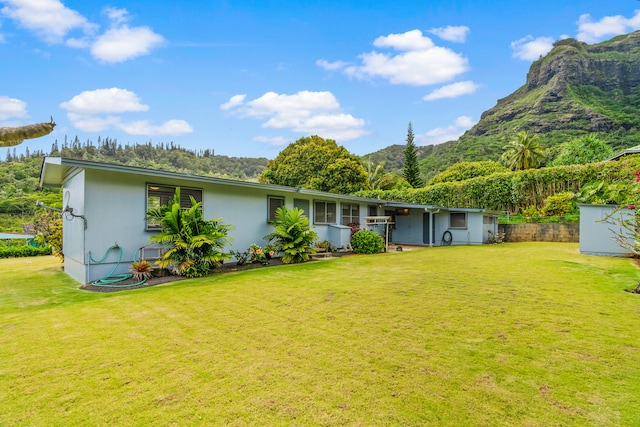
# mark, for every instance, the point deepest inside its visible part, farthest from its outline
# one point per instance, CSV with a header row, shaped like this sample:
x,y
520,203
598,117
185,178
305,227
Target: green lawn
x,y
528,334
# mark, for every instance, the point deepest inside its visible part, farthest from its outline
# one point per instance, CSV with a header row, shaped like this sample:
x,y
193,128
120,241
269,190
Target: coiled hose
x,y
111,280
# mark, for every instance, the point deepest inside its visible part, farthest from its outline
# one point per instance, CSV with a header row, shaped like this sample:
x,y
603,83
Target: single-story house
x,y
104,205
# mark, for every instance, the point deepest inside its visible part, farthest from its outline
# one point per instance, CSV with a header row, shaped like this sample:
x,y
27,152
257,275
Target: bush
x,y
367,242
24,251
292,235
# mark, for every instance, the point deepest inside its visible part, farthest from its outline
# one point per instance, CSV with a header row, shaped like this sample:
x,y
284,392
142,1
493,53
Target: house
x,y
104,207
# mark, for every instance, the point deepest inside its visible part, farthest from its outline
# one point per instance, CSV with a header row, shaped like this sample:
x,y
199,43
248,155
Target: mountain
x,y
574,90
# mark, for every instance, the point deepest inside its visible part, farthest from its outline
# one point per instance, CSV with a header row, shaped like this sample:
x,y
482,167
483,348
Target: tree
x,y
317,164
411,172
583,150
377,177
522,152
292,235
195,244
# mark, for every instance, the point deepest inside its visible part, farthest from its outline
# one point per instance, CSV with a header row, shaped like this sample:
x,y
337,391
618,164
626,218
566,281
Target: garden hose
x,y
447,238
110,280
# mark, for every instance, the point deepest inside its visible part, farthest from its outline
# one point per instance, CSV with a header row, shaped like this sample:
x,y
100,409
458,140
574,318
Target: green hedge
x,y
24,251
509,191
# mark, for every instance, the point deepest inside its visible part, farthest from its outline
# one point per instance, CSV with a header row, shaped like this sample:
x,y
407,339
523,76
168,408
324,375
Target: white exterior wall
x,y
73,228
596,236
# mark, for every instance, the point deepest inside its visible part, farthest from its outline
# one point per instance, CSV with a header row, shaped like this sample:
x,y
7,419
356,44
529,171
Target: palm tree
x,y
377,177
523,152
195,244
292,235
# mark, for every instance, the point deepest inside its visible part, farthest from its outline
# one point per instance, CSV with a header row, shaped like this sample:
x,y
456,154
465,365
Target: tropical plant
x,y
523,152
257,254
411,170
292,235
195,244
367,242
141,270
586,149
242,257
377,177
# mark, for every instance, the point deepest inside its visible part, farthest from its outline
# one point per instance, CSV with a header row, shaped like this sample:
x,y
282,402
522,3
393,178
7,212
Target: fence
x,y
558,232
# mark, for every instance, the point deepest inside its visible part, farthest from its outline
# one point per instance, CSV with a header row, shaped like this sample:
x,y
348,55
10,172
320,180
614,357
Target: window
x,y
350,213
488,219
273,202
373,210
159,195
457,220
324,213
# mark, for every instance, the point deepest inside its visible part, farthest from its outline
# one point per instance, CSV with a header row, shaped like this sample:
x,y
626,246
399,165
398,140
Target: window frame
x,y
164,195
324,211
453,221
271,213
351,217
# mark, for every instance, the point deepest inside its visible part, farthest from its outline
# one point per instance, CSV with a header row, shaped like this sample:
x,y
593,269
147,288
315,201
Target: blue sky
x,y
245,78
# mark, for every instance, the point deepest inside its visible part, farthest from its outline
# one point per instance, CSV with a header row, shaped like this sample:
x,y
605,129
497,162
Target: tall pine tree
x,y
411,172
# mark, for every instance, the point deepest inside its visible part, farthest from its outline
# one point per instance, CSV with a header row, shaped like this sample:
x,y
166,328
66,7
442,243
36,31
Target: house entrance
x,y
426,226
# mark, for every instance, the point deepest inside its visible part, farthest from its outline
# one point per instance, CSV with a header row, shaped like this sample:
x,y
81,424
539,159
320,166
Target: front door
x,y
426,226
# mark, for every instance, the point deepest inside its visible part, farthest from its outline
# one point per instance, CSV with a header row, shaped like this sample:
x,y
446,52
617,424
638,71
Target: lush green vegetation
x,y
411,171
366,242
467,170
319,164
511,191
416,340
23,251
292,235
195,245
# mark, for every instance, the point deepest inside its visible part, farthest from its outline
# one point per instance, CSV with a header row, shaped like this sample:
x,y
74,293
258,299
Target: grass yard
x,y
527,334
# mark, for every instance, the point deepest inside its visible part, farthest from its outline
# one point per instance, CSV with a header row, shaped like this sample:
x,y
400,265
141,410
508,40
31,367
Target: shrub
x,y
24,251
292,235
559,204
195,244
367,242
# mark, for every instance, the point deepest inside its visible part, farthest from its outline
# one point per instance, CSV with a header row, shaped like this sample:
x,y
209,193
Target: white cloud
x,y
309,113
235,101
113,100
87,123
457,34
530,49
53,22
124,43
275,140
420,61
117,16
331,66
411,40
452,91
97,111
444,134
591,31
12,108
49,19
144,127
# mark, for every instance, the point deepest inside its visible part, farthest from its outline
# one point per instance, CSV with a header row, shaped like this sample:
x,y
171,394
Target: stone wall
x,y
541,232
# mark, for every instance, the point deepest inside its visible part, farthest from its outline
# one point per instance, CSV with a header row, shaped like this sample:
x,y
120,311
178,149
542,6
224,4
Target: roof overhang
x,y
55,171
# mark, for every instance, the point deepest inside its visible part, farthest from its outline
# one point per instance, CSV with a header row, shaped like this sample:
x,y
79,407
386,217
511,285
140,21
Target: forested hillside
x,y
574,90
